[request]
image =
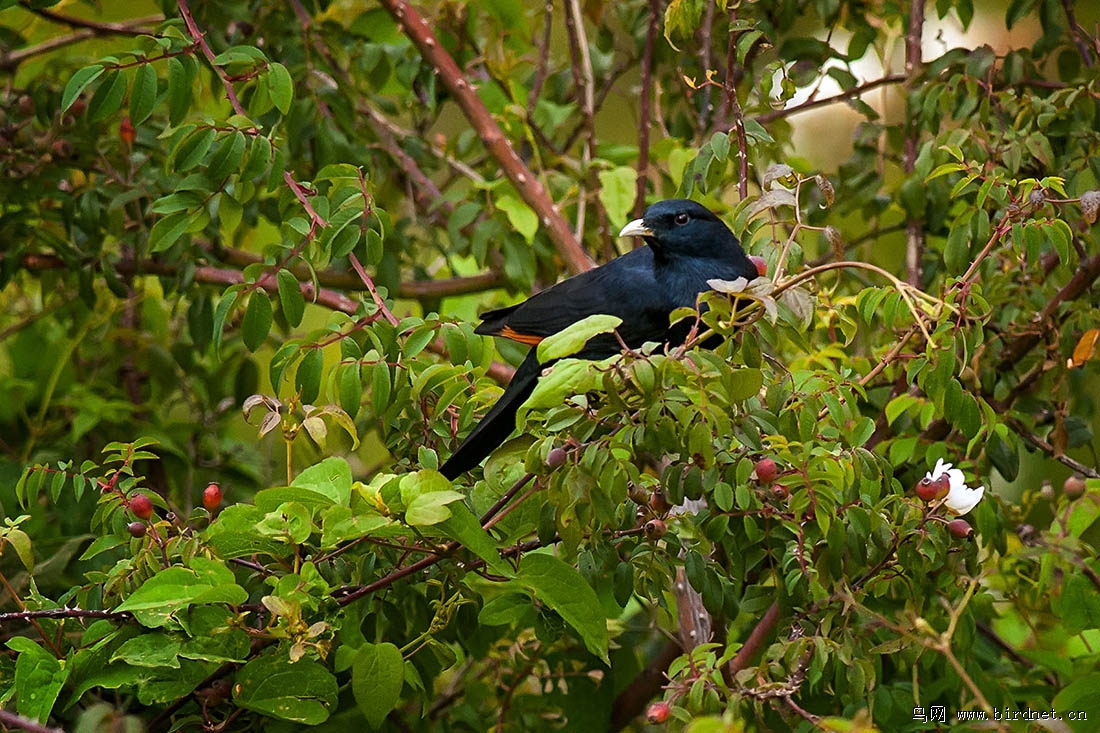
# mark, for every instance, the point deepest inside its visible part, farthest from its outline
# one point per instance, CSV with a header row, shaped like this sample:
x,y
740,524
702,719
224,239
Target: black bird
x,y
686,246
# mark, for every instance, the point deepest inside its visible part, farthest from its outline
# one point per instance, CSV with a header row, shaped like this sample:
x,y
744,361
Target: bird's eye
x,y
681,219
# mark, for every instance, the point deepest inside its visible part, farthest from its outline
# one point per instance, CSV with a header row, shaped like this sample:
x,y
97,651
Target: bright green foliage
x,y
245,243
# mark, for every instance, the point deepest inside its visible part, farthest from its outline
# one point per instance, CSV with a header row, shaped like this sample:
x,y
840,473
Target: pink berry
x,y
658,712
766,470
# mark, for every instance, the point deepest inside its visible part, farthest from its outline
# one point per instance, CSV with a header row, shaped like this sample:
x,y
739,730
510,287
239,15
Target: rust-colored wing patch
x,y
524,338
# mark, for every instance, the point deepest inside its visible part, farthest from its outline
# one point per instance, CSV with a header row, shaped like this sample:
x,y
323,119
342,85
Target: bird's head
x,y
679,227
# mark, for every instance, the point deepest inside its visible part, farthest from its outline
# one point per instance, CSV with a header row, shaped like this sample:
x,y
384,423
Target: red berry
x,y
141,506
658,502
212,497
655,529
780,492
556,457
1074,486
126,131
658,712
960,528
766,470
931,489
136,529
761,265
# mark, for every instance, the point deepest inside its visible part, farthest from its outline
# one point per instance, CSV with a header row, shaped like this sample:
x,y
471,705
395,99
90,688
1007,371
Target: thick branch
x,y
759,636
644,107
97,28
9,61
914,227
525,182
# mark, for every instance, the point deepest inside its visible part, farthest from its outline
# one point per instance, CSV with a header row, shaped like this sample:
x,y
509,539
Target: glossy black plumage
x,y
687,245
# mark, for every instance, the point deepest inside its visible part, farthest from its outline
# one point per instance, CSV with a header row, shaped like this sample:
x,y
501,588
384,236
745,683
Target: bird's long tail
x,y
498,423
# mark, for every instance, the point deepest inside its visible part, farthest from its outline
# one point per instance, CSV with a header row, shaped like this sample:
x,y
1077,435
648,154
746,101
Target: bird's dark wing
x,y
625,287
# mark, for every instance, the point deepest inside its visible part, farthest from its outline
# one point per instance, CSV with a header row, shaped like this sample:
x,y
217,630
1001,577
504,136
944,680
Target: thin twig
x,y
842,97
62,613
1020,429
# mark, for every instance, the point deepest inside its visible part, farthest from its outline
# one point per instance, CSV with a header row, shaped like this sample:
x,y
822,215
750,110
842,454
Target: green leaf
x,y
301,692
945,169
1005,457
291,299
21,543
143,94
307,379
377,676
180,81
108,96
430,508
1078,604
1080,696
522,217
463,526
331,478
149,650
572,339
257,320
39,678
504,610
565,590
862,432
745,383
380,387
167,230
225,307
617,188
176,588
78,83
227,158
280,87
566,378
234,534
350,389
193,148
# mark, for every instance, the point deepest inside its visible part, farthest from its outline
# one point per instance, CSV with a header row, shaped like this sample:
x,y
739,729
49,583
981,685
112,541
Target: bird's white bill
x,y
636,228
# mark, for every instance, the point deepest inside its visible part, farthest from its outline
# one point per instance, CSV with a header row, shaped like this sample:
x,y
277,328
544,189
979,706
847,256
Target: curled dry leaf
x,y
1090,205
776,172
771,200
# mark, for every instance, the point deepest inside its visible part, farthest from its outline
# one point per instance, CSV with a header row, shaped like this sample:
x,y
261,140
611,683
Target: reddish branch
x,y
1080,38
733,105
88,29
914,227
525,182
644,108
759,636
6,618
98,28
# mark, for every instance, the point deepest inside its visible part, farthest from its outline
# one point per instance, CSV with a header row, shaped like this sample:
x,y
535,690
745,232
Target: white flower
x,y
960,498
